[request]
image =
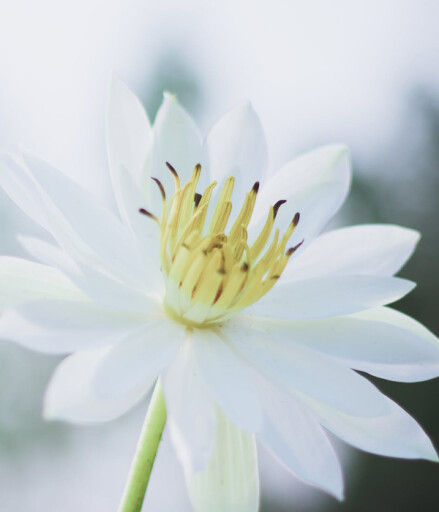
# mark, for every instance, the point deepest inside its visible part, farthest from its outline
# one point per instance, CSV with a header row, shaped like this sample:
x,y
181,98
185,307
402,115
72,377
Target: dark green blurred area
x,y
402,188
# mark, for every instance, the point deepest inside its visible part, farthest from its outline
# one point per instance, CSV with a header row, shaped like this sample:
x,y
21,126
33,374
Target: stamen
x,y
277,206
197,199
223,207
292,250
149,214
212,273
174,174
162,190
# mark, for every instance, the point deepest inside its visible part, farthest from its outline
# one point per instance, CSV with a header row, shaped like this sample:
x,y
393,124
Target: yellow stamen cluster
x,y
210,274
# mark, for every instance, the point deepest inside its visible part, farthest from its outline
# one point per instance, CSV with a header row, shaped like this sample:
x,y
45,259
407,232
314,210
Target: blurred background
x,y
363,73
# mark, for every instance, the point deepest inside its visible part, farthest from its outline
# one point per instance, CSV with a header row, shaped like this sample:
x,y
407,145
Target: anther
x,y
148,214
277,206
291,250
197,199
296,219
255,187
162,189
174,173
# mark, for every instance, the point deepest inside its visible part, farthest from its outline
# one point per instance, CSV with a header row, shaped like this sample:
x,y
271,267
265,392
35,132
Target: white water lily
x,y
254,322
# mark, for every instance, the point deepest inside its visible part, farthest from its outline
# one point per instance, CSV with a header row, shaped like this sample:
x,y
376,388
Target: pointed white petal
x,y
70,396
374,249
177,141
191,411
48,253
97,285
146,230
129,140
398,319
23,280
230,481
139,358
130,154
227,379
60,326
315,185
374,346
112,293
87,231
296,367
395,434
15,181
236,147
330,296
294,436
100,385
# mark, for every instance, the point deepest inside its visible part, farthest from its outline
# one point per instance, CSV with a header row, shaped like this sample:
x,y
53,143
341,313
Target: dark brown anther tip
x,y
277,206
169,166
244,267
198,167
291,250
148,214
197,199
255,187
296,219
161,187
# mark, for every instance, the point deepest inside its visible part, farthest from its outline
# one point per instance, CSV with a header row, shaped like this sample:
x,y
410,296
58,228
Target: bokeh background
x,y
364,73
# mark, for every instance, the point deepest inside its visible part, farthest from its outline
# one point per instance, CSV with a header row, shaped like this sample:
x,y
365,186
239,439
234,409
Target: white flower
x,y
256,329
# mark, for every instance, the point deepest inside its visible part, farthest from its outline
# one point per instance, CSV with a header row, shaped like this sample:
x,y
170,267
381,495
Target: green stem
x,y
146,452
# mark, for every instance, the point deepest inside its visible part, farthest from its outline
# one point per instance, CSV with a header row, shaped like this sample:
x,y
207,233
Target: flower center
x,y
211,274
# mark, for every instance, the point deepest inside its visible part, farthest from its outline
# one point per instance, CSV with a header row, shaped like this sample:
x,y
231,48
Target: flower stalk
x,y
146,451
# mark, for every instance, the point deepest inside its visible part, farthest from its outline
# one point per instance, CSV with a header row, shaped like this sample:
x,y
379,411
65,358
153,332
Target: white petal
x,y
366,344
228,379
375,249
113,293
139,358
23,280
398,319
298,368
14,180
100,385
146,230
60,326
297,440
191,411
395,434
330,296
129,140
100,287
236,147
315,185
48,253
177,141
87,231
231,481
130,154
